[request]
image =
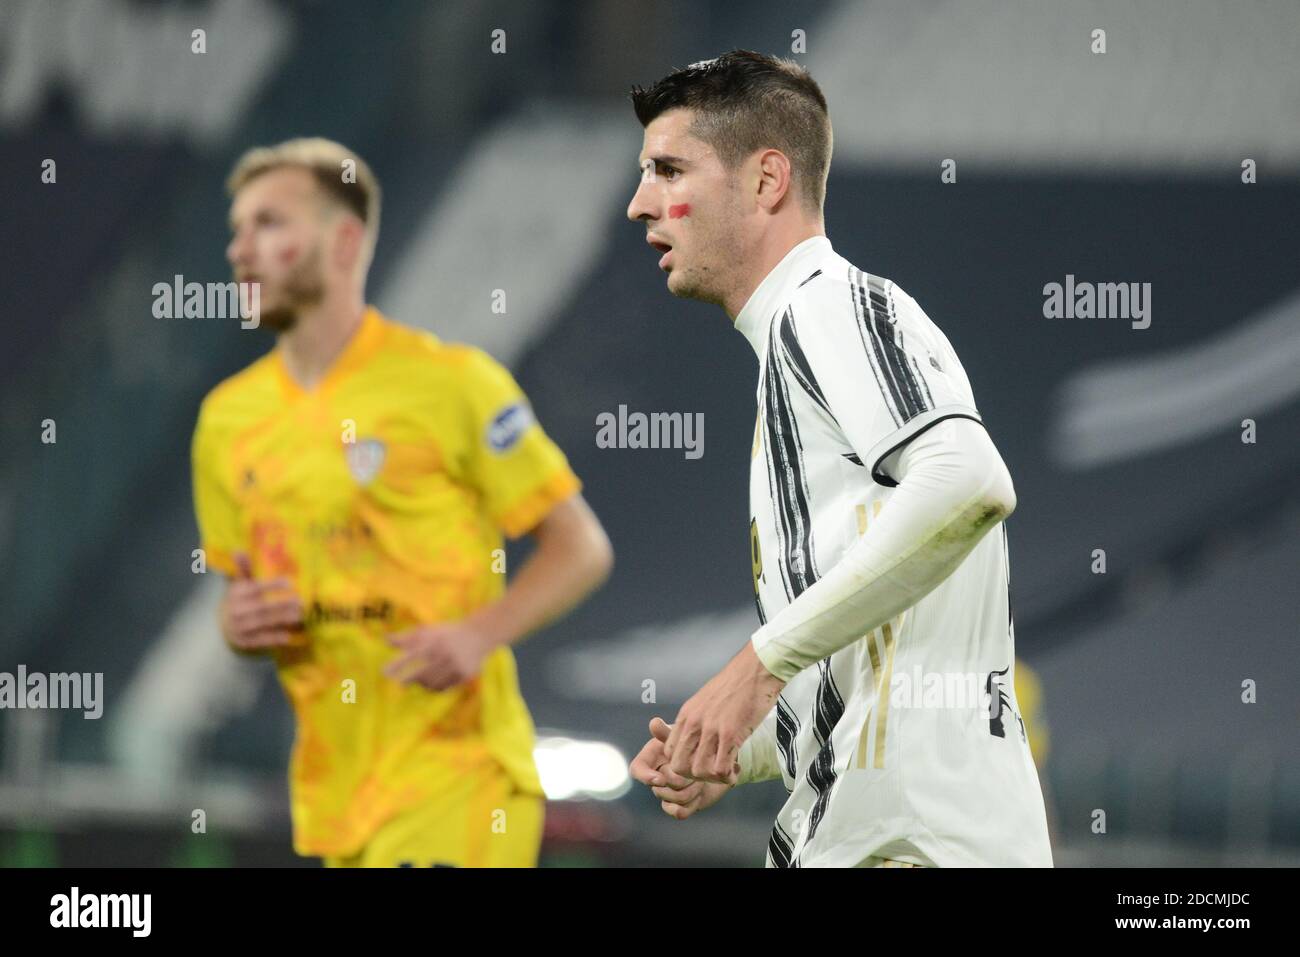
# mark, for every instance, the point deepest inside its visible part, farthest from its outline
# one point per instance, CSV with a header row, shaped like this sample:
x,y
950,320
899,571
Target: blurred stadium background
x,y
512,171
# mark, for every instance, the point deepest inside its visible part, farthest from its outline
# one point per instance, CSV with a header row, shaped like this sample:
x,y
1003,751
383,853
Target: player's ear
x,y
774,178
349,241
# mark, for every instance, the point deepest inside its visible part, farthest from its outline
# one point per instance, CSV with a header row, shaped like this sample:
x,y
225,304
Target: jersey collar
x,y
754,320
358,349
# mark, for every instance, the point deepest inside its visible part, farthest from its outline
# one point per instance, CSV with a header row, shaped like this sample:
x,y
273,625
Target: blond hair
x,y
343,177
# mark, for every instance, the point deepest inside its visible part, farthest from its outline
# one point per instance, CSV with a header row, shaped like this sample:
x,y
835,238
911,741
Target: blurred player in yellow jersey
x,y
355,484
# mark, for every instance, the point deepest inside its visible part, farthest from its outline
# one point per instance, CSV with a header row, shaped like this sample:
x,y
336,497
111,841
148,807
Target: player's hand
x,y
649,766
438,656
711,727
679,797
258,616
697,796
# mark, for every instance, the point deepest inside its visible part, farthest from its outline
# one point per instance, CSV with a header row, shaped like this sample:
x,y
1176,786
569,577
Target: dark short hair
x,y
745,101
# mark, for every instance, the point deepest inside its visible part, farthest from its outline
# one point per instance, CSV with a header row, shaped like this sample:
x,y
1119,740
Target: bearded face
x,y
278,242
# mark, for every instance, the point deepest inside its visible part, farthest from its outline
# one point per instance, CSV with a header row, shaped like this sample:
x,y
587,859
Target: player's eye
x,y
668,172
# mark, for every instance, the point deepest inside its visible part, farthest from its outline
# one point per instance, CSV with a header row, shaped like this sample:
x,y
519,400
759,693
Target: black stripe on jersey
x,y
780,846
829,710
885,325
781,523
787,731
915,378
853,457
809,279
906,395
798,362
920,377
862,312
830,705
786,471
877,353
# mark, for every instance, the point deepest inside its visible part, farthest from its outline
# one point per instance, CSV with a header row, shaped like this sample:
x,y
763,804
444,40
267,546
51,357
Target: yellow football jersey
x,y
383,494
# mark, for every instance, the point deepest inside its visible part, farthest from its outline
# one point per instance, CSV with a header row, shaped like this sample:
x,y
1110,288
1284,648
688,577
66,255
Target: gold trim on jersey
x,y
882,668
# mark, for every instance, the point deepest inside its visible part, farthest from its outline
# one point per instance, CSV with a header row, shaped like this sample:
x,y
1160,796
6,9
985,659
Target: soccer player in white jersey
x,y
878,686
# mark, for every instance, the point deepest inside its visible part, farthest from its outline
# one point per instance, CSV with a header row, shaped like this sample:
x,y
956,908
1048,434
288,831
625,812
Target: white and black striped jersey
x,y
850,370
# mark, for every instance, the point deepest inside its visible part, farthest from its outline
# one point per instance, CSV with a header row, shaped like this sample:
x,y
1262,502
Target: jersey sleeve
x,y
519,471
870,357
216,512
759,758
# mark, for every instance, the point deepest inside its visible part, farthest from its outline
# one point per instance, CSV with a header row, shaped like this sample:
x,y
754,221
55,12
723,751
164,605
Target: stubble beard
x,y
303,288
710,279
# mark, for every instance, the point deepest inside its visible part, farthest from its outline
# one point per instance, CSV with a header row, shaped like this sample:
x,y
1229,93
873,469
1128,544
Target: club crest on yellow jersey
x,y
365,459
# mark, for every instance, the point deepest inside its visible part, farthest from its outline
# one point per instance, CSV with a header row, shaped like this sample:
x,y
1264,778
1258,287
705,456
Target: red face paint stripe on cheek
x,y
677,212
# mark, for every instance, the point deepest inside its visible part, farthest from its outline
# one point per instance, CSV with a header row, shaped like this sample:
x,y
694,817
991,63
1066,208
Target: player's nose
x,y
237,251
643,205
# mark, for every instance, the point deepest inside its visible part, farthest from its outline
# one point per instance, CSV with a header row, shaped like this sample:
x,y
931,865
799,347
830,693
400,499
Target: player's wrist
x,y
771,669
490,629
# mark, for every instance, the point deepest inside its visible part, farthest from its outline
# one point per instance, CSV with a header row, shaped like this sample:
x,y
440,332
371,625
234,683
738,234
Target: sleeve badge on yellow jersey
x,y
365,459
508,427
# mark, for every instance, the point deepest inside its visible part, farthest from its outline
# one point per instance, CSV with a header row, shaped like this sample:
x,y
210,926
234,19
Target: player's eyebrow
x,y
663,160
258,215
